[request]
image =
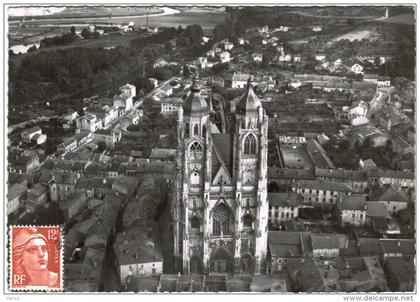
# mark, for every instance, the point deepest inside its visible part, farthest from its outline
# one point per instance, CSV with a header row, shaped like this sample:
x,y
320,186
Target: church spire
x,y
195,104
195,86
249,102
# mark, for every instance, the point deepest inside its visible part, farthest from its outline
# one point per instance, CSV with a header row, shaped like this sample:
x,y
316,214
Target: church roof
x,y
214,129
222,152
195,104
249,102
222,143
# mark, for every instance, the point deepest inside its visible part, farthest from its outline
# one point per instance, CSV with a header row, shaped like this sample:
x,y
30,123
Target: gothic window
x,y
196,150
195,178
187,129
216,228
247,222
248,177
195,130
204,131
221,220
195,225
250,144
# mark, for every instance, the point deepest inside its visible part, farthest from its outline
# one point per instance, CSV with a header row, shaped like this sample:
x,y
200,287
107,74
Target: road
x,y
378,100
111,279
138,104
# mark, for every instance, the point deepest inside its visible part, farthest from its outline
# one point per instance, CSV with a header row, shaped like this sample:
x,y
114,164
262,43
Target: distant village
x,y
340,172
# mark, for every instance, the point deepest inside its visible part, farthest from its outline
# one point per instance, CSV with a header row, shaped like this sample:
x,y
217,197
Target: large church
x,y
220,211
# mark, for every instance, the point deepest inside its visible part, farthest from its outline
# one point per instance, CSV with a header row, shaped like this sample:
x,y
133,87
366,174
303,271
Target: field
x,y
407,19
357,35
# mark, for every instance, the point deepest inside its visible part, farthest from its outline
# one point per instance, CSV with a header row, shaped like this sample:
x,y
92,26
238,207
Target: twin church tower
x,y
221,208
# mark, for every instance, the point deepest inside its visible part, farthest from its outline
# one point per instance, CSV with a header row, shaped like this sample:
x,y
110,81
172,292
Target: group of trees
x,y
165,73
220,68
250,16
401,65
191,40
87,34
161,37
44,75
231,28
143,84
64,39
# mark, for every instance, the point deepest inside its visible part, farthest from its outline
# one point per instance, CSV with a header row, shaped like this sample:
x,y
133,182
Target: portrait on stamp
x,y
35,258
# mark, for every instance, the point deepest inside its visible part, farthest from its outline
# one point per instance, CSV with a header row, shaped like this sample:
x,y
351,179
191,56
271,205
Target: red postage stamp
x,y
35,258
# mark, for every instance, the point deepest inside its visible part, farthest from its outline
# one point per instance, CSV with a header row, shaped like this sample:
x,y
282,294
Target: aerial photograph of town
x,y
201,149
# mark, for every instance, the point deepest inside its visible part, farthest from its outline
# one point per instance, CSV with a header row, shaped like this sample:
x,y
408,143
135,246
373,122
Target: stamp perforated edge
x,y
10,262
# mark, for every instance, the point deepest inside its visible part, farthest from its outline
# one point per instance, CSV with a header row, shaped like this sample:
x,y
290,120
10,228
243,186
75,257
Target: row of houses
x,y
86,241
351,207
356,180
310,260
101,116
240,80
286,245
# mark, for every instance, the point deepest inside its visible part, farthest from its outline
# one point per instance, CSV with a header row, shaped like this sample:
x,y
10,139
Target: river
x,y
206,17
68,22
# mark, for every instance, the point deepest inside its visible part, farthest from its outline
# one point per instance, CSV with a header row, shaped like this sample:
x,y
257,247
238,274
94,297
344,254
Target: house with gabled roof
x,y
325,245
352,209
377,215
37,196
284,246
138,253
393,199
283,206
28,134
321,193
15,196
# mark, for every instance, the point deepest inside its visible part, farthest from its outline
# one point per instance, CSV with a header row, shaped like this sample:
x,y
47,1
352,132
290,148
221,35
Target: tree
x,y
266,60
220,32
168,47
219,68
86,34
367,143
143,83
186,71
101,146
32,48
163,74
73,30
194,33
182,41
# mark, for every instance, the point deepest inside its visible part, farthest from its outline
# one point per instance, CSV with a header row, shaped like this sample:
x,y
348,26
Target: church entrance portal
x,y
221,261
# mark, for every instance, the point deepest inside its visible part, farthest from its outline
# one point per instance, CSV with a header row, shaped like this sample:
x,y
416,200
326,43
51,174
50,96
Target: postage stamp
x,y
36,258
